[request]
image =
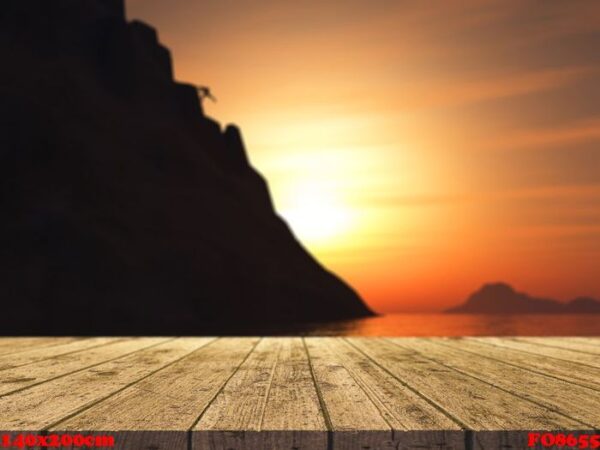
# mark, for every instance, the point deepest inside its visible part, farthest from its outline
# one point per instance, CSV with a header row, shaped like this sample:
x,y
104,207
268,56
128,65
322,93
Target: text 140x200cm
x,y
22,440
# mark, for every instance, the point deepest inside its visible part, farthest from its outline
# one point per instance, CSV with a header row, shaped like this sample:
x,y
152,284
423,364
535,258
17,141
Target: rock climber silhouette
x,y
204,92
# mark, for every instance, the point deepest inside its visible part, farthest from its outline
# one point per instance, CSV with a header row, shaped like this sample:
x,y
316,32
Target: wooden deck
x,y
160,393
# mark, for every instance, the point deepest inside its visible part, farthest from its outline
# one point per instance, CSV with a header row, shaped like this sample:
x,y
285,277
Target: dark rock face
x,y
125,209
500,298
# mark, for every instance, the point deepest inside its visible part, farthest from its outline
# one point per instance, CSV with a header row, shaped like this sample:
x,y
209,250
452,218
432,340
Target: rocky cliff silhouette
x,y
501,298
125,210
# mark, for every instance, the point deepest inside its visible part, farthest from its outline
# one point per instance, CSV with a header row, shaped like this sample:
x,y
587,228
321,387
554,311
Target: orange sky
x,y
418,149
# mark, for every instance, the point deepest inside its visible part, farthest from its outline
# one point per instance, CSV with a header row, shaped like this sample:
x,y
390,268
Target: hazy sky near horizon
x,y
418,149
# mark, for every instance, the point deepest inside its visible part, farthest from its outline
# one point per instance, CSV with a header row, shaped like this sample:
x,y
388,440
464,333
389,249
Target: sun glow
x,y
317,214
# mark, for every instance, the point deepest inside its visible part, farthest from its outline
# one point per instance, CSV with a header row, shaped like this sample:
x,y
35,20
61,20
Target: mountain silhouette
x,y
501,298
126,210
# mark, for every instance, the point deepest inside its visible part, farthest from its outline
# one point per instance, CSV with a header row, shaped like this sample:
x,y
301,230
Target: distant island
x,y
501,298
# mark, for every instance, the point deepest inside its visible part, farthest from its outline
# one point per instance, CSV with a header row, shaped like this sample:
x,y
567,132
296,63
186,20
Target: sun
x,y
317,213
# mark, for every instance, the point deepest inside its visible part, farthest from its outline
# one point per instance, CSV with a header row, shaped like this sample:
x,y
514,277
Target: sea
x,y
461,325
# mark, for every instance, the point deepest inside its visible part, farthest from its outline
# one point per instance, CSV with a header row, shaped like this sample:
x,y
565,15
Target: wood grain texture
x,y
473,403
240,404
345,404
273,391
40,406
171,400
554,352
63,359
582,375
31,355
573,401
584,345
9,346
301,394
415,422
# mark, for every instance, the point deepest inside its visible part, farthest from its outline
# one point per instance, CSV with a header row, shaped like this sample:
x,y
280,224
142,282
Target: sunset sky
x,y
417,148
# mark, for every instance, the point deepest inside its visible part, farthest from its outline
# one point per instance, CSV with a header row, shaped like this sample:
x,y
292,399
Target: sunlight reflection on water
x,y
463,325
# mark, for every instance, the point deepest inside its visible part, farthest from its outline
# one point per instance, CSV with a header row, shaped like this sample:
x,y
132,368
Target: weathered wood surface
x,y
301,393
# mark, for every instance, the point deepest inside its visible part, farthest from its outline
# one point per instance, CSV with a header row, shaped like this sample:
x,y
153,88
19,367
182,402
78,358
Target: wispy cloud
x,y
589,193
447,93
549,137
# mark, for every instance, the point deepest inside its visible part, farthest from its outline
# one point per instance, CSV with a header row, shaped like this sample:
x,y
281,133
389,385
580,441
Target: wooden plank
x,y
170,400
474,403
415,422
293,403
192,381
572,401
270,403
353,419
568,371
588,340
40,407
38,354
558,354
17,379
588,345
12,345
240,405
401,406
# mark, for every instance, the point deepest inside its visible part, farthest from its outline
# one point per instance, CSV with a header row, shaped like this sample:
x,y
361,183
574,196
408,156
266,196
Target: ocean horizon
x,y
440,324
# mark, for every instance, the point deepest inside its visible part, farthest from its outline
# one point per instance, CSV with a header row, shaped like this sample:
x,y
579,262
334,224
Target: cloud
x,y
538,138
568,193
446,93
587,191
